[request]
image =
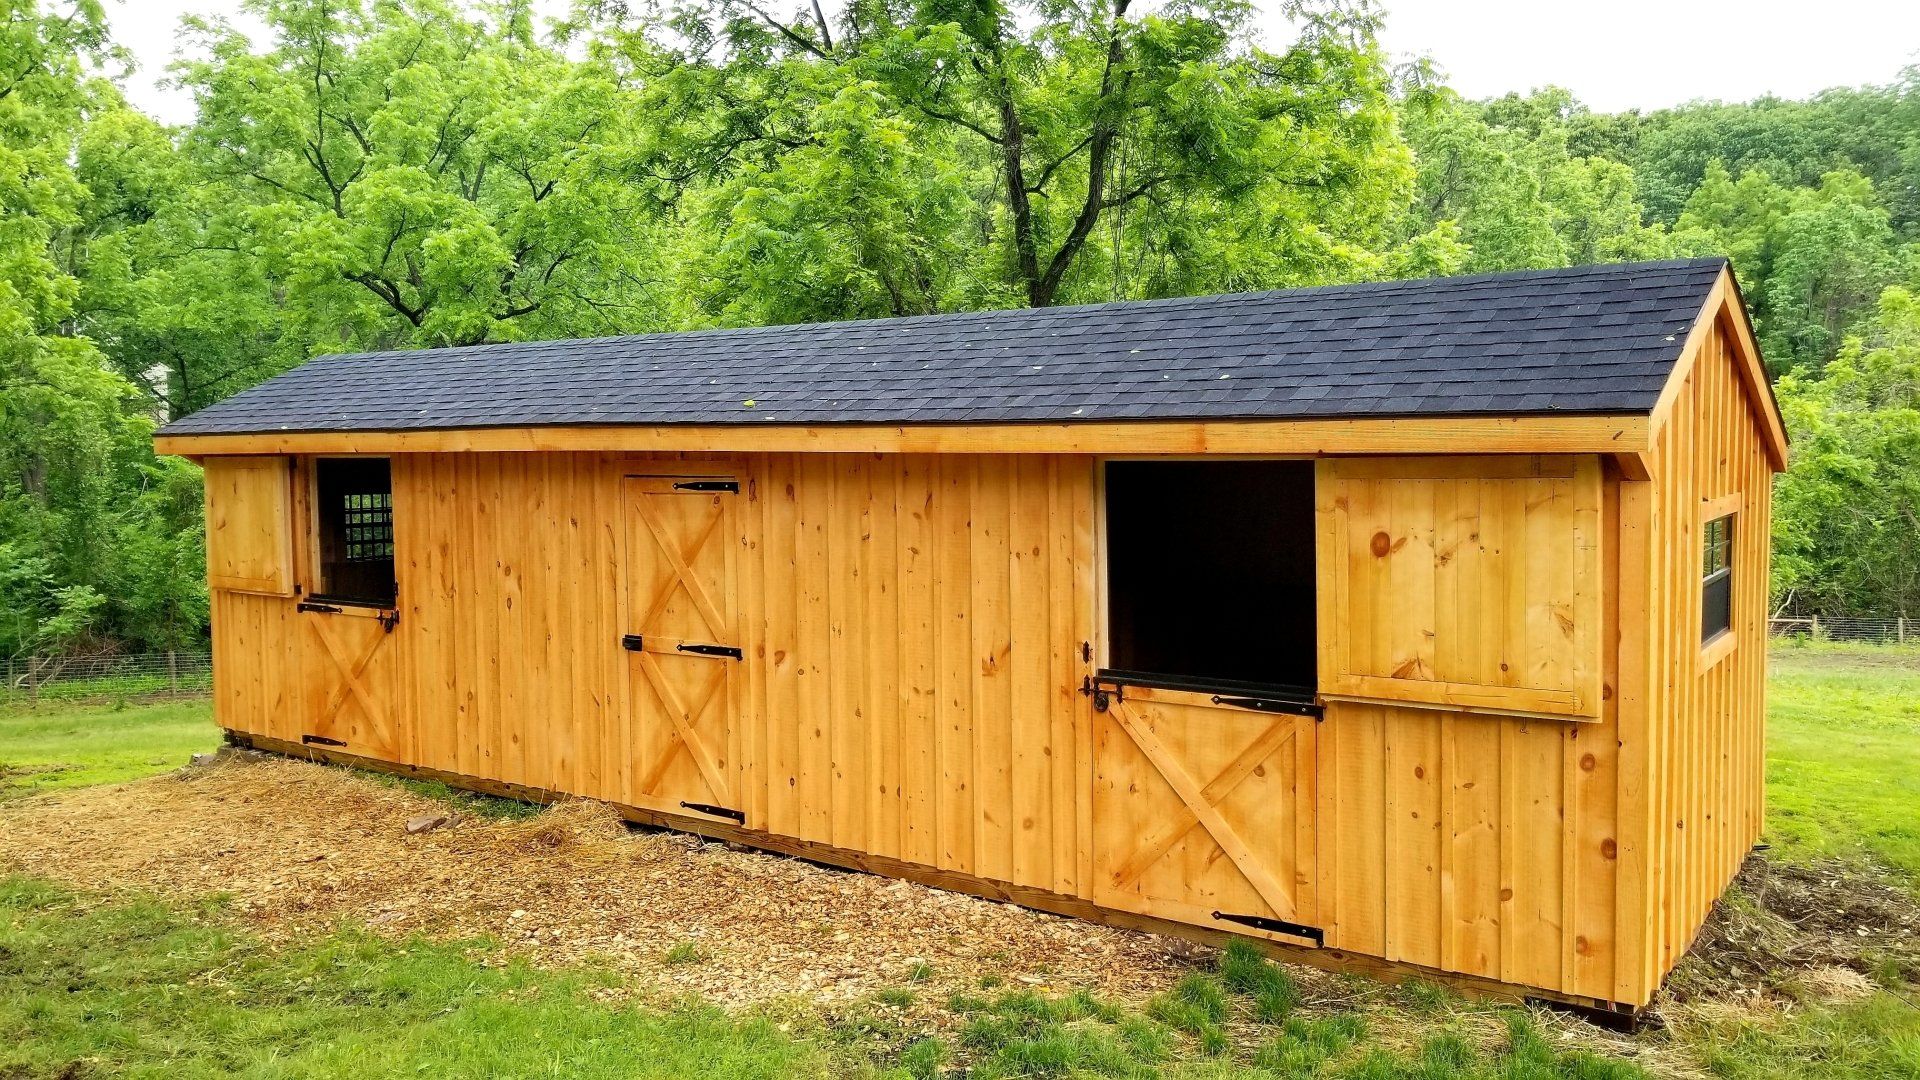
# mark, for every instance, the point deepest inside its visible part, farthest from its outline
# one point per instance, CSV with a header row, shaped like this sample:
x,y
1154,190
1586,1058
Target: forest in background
x,y
422,173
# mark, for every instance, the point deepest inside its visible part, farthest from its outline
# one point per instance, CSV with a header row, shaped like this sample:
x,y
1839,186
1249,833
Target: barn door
x,y
348,697
683,642
1203,811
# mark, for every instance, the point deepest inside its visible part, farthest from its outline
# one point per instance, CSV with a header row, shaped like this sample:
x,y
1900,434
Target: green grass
x,y
138,989
1843,755
71,745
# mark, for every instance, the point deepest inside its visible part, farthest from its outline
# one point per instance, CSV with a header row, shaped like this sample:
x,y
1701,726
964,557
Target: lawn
x,y
134,986
71,745
1843,754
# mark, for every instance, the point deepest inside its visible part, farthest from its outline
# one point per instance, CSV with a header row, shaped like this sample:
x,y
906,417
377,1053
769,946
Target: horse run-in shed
x,y
1412,627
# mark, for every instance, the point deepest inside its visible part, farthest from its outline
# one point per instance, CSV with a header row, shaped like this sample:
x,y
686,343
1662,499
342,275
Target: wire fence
x,y
185,674
168,674
1894,631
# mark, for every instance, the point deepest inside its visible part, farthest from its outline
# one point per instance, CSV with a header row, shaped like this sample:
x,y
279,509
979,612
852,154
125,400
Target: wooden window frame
x,y
310,562
1721,645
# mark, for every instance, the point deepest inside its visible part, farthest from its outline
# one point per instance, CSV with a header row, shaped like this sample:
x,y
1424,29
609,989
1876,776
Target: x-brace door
x,y
347,686
1204,812
683,642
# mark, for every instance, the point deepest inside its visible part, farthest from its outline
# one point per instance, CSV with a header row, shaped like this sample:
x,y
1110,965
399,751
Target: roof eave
x,y
1552,433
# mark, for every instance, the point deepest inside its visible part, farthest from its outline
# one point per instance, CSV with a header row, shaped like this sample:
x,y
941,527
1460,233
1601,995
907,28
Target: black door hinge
x,y
324,609
707,485
739,816
389,619
1271,705
632,642
712,650
320,740
1276,926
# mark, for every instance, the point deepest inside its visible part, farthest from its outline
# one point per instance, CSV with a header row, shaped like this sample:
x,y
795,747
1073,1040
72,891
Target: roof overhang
x,y
1724,309
1625,436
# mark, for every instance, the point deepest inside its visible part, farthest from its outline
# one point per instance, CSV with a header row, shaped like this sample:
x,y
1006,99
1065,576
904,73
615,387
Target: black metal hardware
x,y
1276,926
389,619
324,609
717,811
1086,652
1292,700
712,650
707,485
1272,705
320,740
632,642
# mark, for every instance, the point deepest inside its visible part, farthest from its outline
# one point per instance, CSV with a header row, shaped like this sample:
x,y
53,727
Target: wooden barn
x,y
1415,628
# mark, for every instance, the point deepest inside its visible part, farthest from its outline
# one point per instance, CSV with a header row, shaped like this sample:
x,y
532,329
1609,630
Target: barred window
x,y
1716,582
354,512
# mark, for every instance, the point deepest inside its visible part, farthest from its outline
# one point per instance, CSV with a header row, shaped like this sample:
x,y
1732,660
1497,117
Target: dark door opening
x,y
1210,572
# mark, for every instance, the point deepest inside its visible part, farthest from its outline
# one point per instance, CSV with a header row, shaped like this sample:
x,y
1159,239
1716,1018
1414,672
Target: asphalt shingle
x,y
1588,339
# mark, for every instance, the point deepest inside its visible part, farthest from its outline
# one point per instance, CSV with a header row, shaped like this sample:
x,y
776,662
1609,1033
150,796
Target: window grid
x,y
367,526
1716,578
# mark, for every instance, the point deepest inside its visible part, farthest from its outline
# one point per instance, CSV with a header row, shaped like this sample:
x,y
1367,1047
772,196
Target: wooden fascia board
x,y
1753,375
1563,434
1723,307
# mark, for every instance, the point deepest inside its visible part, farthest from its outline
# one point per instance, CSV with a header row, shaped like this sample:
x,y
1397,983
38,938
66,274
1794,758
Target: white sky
x,y
1612,55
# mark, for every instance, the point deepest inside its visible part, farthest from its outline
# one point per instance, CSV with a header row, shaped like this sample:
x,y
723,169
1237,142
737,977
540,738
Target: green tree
x,y
1811,260
412,174
966,153
1505,174
1846,527
78,480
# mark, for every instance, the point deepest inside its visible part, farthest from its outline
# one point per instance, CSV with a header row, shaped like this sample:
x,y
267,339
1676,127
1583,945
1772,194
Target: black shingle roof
x,y
1597,339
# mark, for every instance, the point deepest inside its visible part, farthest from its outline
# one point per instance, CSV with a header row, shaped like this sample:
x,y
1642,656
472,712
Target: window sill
x,y
1717,648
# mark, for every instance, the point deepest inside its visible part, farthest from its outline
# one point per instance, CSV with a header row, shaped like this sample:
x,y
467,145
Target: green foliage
x,y
1847,515
420,173
927,157
1506,175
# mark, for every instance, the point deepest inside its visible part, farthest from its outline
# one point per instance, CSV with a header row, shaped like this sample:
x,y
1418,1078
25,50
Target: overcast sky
x,y
1613,54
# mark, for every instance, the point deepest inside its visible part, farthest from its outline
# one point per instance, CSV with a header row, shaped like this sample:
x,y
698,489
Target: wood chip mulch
x,y
303,849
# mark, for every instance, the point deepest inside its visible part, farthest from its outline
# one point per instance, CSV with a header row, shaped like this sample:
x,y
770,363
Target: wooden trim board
x,y
1438,435
1326,959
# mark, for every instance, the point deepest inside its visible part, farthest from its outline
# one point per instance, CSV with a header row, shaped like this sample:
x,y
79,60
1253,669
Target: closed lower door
x,y
349,681
683,643
1203,811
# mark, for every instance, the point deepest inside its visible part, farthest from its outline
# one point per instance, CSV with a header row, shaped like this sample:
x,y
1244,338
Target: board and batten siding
x,y
1452,835
915,630
1701,752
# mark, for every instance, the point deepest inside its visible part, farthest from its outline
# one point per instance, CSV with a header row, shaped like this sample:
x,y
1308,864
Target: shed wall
x,y
1705,707
913,629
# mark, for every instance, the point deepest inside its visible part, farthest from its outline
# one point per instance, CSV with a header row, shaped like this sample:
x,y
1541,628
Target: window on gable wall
x,y
353,511
1716,582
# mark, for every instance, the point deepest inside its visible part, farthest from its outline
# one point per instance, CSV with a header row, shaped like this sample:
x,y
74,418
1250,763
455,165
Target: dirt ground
x,y
301,848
